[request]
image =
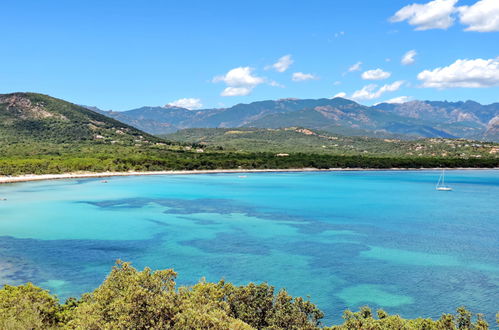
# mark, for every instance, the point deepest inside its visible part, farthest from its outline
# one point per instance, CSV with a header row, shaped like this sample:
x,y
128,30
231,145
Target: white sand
x,y
77,175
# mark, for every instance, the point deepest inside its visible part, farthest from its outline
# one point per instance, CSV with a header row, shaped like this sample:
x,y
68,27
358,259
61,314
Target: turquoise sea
x,y
346,239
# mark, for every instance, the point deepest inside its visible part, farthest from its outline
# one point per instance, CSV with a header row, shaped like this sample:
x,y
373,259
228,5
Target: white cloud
x,y
282,64
372,91
483,16
463,73
377,74
240,81
436,14
397,100
188,103
341,94
355,67
236,91
339,34
241,76
300,76
408,57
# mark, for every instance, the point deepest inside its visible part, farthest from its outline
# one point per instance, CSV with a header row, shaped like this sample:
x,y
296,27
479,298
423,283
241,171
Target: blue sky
x,y
124,54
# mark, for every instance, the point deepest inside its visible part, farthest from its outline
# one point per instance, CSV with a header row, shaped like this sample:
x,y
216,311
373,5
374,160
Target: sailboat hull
x,y
441,183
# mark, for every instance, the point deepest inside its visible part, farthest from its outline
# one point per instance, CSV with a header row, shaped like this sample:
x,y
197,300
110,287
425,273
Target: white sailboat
x,y
441,183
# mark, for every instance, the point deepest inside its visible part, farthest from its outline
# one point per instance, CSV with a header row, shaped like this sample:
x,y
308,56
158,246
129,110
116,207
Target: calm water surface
x,y
346,239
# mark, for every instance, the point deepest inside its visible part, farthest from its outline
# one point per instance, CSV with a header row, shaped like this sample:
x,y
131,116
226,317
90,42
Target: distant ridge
x,y
408,120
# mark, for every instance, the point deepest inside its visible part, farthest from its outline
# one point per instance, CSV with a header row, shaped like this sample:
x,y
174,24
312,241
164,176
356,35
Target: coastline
x,y
89,175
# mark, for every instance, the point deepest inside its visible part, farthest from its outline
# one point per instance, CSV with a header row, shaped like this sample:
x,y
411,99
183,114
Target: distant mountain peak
x,y
169,106
344,101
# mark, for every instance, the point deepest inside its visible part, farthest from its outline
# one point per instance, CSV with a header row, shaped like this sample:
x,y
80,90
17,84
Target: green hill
x,y
35,118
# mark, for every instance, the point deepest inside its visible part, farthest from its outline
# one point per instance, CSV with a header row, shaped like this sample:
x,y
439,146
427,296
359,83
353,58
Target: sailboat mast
x,y
441,182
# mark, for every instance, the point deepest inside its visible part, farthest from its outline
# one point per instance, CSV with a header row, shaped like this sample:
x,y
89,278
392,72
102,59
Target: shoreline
x,y
89,175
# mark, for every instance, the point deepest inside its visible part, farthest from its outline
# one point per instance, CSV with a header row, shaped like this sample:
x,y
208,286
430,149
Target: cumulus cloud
x,y
408,57
188,103
483,16
377,74
436,14
372,91
356,67
240,81
282,64
463,73
340,94
300,76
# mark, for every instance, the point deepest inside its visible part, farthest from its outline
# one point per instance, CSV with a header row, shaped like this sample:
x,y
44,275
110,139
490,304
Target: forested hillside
x,y
35,118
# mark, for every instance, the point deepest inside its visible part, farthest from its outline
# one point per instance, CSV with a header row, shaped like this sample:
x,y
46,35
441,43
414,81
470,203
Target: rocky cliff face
x,y
21,107
444,112
492,131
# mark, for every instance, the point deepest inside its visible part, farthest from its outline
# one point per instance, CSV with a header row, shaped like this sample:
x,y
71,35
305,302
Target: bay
x,y
386,239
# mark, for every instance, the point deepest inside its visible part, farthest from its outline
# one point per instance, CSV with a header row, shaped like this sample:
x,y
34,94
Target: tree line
x,y
113,158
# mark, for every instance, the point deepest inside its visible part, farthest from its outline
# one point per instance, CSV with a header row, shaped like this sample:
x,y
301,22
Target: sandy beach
x,y
84,175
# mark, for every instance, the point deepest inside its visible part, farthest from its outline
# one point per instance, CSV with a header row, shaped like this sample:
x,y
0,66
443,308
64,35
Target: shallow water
x,y
387,239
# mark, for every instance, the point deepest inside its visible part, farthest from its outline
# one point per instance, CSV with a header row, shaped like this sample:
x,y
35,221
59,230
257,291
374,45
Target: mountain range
x,y
408,120
40,134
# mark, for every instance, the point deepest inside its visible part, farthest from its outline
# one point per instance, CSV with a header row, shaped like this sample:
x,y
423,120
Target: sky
x,y
123,54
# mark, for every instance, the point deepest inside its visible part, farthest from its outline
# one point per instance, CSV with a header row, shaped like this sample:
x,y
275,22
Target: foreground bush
x,y
132,299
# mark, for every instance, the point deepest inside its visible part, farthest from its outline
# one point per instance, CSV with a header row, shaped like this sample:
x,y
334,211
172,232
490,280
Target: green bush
x,y
132,299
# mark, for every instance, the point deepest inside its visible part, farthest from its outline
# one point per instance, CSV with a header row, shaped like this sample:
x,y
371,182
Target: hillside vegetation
x,y
32,118
302,140
132,299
